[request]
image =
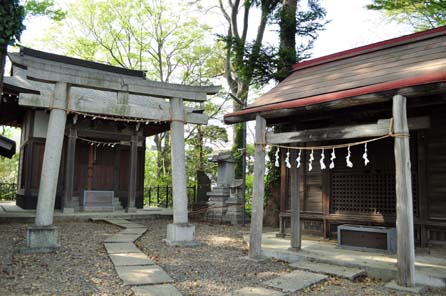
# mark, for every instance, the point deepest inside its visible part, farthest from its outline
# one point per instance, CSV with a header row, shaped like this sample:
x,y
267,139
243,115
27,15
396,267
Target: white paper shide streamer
x,y
333,157
364,156
287,159
277,164
323,167
310,162
298,158
347,158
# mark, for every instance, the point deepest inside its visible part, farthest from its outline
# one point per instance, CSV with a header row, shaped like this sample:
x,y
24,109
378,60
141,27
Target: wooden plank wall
x,y
369,191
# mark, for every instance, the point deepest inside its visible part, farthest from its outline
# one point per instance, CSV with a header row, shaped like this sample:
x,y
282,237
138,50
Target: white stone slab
x,y
122,238
130,259
143,275
254,291
337,270
116,248
156,290
296,280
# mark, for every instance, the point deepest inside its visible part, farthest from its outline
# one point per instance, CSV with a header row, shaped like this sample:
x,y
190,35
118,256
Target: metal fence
x,y
161,196
8,191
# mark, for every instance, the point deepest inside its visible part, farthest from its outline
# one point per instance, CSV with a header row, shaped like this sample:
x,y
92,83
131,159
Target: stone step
x,y
254,291
350,273
143,275
156,290
295,281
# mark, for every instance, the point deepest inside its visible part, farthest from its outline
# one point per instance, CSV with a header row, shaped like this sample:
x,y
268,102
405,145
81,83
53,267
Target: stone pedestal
x,y
217,204
41,239
180,234
234,204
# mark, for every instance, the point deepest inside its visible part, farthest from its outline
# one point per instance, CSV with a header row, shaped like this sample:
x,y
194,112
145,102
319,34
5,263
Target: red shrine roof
x,y
406,61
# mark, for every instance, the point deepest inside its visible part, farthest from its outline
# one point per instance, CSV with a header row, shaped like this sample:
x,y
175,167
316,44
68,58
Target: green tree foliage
x,y
12,14
44,8
11,27
160,37
420,14
8,167
252,63
11,22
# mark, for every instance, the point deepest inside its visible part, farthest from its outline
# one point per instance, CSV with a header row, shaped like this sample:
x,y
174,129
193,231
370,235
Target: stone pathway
x,y
350,273
133,267
295,281
288,283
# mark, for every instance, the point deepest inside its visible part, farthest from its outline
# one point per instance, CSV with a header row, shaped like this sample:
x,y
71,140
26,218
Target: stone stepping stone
x,y
139,231
143,275
296,280
122,238
119,248
130,259
254,291
156,290
341,271
132,225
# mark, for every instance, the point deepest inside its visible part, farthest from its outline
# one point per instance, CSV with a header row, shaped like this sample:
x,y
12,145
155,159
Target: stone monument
x,y
220,193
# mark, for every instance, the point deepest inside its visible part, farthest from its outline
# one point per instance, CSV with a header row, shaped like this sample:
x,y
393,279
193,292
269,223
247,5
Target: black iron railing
x,y
8,191
161,196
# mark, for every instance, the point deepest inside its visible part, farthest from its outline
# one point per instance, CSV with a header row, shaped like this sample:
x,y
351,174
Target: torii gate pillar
x,y
180,232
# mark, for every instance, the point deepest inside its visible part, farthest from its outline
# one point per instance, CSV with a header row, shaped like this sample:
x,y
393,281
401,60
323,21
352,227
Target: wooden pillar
x,y
133,174
404,204
296,237
255,239
68,206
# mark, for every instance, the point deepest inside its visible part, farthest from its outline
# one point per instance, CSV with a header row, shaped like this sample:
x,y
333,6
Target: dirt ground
x,y
80,267
217,266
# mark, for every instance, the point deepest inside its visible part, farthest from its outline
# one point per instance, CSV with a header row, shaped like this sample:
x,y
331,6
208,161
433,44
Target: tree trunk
x,y
3,52
287,47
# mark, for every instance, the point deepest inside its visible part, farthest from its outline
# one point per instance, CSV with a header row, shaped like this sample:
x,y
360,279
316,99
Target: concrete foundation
x,y
41,239
180,234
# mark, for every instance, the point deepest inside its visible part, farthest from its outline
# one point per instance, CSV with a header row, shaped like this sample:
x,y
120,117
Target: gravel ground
x,y
80,267
217,266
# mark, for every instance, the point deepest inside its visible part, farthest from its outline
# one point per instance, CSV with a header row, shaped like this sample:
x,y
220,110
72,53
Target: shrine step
x,y
350,273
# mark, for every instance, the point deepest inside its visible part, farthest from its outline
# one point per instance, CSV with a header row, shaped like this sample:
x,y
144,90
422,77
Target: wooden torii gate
x,y
404,204
71,85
